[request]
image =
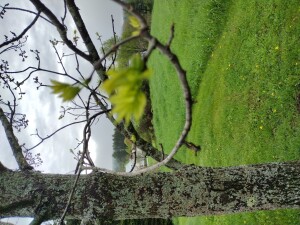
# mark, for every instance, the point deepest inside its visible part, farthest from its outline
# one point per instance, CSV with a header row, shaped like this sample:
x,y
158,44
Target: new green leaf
x,y
66,91
124,88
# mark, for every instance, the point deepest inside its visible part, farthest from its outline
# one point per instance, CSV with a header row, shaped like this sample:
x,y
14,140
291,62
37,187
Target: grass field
x,y
243,65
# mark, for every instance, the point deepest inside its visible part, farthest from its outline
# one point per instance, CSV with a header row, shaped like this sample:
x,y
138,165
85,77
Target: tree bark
x,y
190,191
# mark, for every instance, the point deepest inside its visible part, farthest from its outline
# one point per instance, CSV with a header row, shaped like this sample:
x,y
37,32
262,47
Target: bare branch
x,y
65,12
98,63
49,136
28,11
61,221
78,170
60,28
22,33
133,154
13,141
73,9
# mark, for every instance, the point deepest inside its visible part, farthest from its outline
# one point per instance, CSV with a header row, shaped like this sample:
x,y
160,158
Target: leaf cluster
x,y
66,91
124,88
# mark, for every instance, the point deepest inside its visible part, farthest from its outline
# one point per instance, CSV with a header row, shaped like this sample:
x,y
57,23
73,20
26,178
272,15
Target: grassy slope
x,y
243,64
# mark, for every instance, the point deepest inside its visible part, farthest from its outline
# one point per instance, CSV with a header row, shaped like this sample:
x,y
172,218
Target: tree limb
x,y
60,28
37,220
23,32
28,11
73,9
13,141
3,168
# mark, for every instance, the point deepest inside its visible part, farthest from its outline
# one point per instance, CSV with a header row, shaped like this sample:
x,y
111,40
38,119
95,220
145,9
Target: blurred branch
x,y
38,220
114,56
133,155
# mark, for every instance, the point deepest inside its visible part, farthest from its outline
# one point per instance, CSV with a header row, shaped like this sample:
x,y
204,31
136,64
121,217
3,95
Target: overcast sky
x,y
41,107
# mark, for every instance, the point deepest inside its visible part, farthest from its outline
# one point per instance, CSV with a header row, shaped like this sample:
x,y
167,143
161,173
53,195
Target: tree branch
x,y
28,11
60,28
37,220
3,168
22,33
73,9
130,131
13,141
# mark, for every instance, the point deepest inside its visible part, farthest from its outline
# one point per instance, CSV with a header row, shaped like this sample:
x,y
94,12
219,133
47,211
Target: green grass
x,y
243,65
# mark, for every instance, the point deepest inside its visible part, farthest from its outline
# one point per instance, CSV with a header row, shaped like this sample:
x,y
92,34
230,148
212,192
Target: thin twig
x,y
61,222
22,33
29,11
113,49
133,154
49,136
60,28
114,57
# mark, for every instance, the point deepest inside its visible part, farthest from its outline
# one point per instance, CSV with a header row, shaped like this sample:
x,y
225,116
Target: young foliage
x,y
134,22
124,88
66,91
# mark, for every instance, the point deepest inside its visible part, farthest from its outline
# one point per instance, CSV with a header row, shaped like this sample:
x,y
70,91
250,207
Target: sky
x,y
43,108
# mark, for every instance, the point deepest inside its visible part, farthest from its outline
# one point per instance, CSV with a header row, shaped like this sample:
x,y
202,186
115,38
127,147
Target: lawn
x,y
243,65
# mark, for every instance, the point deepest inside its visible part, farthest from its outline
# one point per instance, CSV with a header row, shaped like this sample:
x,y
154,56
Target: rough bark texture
x,y
14,143
190,191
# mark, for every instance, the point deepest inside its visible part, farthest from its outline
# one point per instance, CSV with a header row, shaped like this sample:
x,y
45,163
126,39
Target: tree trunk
x,y
190,191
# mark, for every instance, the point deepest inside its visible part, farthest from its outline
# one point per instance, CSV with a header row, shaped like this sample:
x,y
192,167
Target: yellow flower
x,y
274,110
261,127
277,47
